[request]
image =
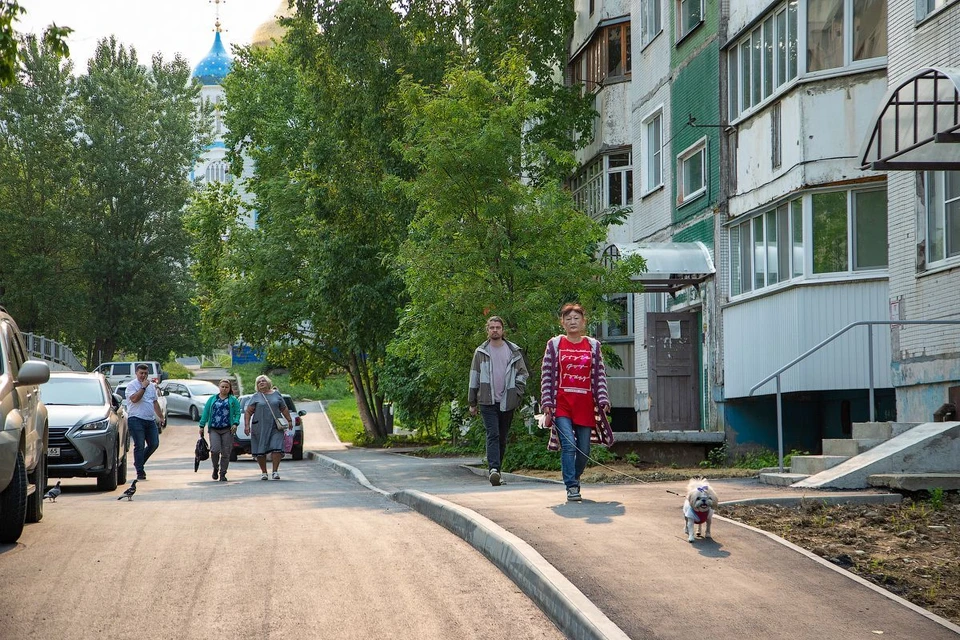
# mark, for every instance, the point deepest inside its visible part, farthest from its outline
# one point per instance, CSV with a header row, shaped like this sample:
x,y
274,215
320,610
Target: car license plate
x,y
53,452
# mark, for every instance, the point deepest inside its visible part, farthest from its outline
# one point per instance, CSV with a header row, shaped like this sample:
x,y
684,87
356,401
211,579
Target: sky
x,y
168,26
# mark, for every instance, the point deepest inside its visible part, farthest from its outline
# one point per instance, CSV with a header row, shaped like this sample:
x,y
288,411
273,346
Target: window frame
x,y
849,64
590,187
929,178
647,187
922,9
678,4
646,35
697,147
738,81
589,67
799,218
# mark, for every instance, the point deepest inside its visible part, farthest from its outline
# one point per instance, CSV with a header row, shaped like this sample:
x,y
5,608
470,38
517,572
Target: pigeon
x,y
53,493
128,494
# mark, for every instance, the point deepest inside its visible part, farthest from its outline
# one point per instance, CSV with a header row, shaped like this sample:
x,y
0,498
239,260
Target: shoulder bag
x,y
278,421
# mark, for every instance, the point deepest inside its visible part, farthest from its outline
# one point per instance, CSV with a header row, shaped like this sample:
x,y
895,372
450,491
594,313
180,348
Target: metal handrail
x,y
52,351
869,324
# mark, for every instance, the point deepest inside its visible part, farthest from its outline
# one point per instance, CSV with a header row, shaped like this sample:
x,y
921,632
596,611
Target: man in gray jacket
x,y
498,377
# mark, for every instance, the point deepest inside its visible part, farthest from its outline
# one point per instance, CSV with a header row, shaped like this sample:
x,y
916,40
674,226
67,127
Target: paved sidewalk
x,y
618,564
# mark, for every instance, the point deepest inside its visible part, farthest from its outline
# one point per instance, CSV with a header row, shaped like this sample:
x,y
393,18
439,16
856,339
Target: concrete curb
x,y
514,477
573,613
792,501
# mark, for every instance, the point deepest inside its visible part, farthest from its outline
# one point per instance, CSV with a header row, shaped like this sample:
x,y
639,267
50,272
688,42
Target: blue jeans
x,y
497,424
146,439
573,452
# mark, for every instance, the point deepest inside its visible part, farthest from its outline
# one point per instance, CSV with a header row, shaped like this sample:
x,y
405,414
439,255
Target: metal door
x,y
674,371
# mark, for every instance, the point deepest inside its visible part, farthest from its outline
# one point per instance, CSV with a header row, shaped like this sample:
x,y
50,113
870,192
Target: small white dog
x,y
698,507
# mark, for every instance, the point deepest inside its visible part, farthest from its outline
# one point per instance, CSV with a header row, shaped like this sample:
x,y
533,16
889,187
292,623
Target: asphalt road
x,y
313,555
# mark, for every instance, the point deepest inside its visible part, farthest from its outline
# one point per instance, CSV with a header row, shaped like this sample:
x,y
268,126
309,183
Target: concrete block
x,y
809,465
916,481
840,447
781,479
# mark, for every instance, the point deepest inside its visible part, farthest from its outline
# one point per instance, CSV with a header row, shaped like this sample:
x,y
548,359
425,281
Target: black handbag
x,y
202,452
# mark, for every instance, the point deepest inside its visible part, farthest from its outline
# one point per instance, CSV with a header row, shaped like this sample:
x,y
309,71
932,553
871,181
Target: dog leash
x,y
598,463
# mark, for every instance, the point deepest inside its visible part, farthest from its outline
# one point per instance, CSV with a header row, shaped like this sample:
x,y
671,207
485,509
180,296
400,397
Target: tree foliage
x,y
11,52
485,241
95,181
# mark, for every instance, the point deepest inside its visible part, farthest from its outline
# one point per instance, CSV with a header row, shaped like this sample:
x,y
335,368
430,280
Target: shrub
x,y
176,370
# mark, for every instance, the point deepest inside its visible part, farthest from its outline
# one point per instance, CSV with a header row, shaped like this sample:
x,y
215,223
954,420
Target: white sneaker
x,y
263,476
276,475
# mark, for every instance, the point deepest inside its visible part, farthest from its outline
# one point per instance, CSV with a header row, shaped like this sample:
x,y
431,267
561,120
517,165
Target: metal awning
x,y
917,127
671,266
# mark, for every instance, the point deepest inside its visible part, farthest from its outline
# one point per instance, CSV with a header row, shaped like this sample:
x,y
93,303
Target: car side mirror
x,y
164,392
301,413
117,402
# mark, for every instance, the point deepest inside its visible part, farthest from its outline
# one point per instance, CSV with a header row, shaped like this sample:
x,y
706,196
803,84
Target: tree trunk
x,y
372,424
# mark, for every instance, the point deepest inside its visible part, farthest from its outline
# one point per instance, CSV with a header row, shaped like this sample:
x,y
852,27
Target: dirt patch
x,y
911,549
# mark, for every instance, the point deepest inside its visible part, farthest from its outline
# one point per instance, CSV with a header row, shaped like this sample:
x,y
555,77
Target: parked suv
x,y
23,433
117,372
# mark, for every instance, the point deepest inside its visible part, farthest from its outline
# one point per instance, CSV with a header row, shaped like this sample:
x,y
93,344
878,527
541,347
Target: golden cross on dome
x,y
217,23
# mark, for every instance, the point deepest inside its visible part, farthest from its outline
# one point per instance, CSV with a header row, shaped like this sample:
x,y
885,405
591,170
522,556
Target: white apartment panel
x,y
763,334
652,209
742,12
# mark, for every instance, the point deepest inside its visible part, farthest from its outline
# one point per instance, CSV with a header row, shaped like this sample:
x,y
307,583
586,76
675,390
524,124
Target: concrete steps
x,y
931,447
866,436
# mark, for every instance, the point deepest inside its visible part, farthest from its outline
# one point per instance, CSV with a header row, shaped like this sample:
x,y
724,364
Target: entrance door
x,y
674,371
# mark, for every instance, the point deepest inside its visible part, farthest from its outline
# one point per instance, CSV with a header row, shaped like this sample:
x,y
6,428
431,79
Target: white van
x,y
117,372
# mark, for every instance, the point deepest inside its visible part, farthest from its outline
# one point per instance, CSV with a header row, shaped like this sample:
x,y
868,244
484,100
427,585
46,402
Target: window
x,y
606,56
620,179
942,196
653,147
848,228
689,16
841,32
691,171
926,7
764,59
621,323
767,248
605,182
651,20
216,172
591,7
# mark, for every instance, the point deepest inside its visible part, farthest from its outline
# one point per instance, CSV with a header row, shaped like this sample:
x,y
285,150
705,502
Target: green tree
x,y
142,131
39,188
54,38
485,241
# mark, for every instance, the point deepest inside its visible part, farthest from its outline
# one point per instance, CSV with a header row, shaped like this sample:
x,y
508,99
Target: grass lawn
x,y
344,417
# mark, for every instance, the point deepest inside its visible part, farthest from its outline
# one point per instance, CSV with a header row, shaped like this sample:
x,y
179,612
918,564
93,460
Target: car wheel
x,y
13,504
194,413
233,455
122,470
109,480
35,502
297,451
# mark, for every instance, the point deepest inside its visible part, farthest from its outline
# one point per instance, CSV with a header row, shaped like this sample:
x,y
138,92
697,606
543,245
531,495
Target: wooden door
x,y
674,371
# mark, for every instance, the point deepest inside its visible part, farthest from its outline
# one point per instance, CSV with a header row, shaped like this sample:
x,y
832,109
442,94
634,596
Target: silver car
x,y
88,429
187,397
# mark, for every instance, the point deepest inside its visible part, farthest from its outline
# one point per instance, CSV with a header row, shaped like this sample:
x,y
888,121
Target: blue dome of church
x,y
213,68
